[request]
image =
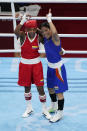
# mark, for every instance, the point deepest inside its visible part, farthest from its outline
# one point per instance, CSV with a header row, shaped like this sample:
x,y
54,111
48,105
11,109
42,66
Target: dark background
x,y
63,26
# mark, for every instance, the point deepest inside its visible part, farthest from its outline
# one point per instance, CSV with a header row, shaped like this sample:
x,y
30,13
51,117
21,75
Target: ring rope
x,y
44,1
43,51
61,35
44,18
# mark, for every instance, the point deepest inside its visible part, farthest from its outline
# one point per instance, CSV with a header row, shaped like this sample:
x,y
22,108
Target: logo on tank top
x,y
41,80
35,47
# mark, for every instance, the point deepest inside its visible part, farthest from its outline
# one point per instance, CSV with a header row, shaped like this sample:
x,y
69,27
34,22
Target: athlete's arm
x,y
55,36
41,43
41,47
18,27
42,55
39,32
17,31
19,34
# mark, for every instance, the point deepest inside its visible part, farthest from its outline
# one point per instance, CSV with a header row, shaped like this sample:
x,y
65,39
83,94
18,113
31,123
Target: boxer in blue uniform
x,y
56,73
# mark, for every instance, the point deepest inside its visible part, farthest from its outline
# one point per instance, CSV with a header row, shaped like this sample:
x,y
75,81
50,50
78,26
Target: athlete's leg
x,y
50,85
28,97
59,114
54,104
25,79
60,101
42,98
39,82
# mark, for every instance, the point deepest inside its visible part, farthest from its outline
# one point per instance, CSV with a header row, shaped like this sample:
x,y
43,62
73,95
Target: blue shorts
x,y
56,78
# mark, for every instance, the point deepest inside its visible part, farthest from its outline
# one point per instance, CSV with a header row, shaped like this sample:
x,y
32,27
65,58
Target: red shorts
x,y
30,74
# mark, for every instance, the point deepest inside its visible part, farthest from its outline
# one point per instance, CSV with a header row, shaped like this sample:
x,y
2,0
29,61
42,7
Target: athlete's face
x,y
31,32
46,32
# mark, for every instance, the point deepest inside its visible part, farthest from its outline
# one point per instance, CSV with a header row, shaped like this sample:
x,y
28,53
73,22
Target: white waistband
x,y
55,65
30,61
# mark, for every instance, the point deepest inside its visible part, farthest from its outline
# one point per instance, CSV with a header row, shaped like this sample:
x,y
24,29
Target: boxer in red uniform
x,y
30,67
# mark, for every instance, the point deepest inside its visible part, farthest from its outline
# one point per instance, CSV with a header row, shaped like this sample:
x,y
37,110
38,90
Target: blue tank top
x,y
52,51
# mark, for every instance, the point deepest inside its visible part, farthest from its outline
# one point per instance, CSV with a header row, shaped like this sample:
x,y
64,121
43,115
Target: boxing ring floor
x,y
12,103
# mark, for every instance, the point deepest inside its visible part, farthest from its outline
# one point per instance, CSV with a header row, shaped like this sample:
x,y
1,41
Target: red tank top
x,y
29,49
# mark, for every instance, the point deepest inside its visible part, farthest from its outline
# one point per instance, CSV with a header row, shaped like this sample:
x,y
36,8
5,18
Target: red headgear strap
x,y
30,24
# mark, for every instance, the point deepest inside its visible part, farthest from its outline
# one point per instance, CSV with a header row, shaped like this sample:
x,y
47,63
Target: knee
x,y
51,90
60,96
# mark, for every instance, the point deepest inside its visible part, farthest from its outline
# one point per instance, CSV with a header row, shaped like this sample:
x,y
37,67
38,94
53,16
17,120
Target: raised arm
x,y
55,36
18,27
18,31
